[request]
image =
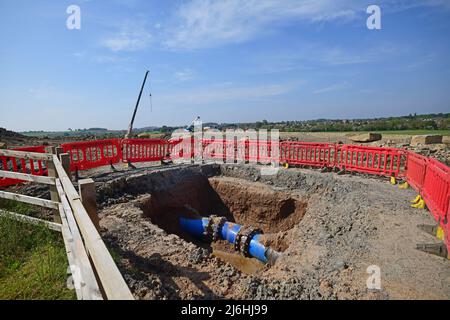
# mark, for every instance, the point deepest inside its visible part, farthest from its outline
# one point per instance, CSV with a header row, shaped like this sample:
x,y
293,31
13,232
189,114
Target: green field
x,y
33,261
399,132
417,132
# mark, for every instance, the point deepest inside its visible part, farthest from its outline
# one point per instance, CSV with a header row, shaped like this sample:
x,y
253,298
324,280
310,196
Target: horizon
x,y
228,62
241,123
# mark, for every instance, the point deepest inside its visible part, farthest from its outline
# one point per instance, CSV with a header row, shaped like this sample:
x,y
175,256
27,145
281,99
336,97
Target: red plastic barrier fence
x,y
262,151
371,160
416,167
257,151
140,150
435,189
181,149
446,228
91,154
214,149
308,153
30,166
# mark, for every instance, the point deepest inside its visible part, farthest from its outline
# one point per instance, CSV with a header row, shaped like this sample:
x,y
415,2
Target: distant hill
x,y
439,121
427,122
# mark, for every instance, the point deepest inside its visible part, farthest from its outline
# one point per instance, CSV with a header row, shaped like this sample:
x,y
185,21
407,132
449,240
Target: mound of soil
x,y
10,134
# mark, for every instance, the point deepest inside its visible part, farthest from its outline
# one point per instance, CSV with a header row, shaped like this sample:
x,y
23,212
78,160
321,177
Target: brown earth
x,y
256,204
344,224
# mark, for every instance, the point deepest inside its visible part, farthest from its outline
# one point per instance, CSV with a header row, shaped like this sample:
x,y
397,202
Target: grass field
x,y
33,262
412,132
389,132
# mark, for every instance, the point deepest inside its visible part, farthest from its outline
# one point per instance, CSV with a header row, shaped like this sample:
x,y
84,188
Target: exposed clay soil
x,y
329,227
256,204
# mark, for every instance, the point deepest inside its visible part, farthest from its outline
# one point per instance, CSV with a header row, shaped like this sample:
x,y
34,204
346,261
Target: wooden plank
x,y
26,155
31,220
30,200
110,277
88,285
68,244
27,177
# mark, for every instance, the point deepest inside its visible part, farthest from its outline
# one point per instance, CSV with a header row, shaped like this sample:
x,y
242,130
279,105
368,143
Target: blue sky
x,y
227,61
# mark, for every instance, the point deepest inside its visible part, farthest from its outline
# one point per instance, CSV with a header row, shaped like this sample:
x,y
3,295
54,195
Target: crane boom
x,y
130,127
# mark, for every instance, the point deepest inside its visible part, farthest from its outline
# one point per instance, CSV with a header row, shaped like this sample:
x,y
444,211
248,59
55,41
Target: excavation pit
x,y
239,201
243,202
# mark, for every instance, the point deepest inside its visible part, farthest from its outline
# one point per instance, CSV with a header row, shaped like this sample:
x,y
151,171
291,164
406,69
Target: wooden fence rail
x,y
94,272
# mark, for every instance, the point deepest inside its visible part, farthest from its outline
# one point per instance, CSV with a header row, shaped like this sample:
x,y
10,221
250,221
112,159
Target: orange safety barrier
x,y
261,151
91,154
446,228
371,160
308,153
435,190
30,166
140,150
416,167
182,148
213,149
258,151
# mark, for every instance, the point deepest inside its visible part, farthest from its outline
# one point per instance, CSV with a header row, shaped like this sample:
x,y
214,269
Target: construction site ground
x,y
330,228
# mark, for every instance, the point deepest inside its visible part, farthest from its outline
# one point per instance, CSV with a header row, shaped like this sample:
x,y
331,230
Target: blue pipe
x,y
229,231
194,226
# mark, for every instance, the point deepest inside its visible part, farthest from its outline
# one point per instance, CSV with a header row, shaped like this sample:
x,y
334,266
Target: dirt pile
x,y
11,138
10,134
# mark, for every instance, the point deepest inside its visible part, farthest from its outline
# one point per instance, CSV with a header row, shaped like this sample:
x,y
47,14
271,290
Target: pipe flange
x,y
247,238
243,238
209,230
218,223
237,240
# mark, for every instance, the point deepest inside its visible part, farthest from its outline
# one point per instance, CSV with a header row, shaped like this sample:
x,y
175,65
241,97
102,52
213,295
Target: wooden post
x,y
53,191
65,161
88,199
58,151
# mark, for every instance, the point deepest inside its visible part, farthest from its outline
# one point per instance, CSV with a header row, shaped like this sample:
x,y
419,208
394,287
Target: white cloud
x,y
45,92
184,75
214,94
130,37
334,87
205,23
79,54
423,61
109,59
